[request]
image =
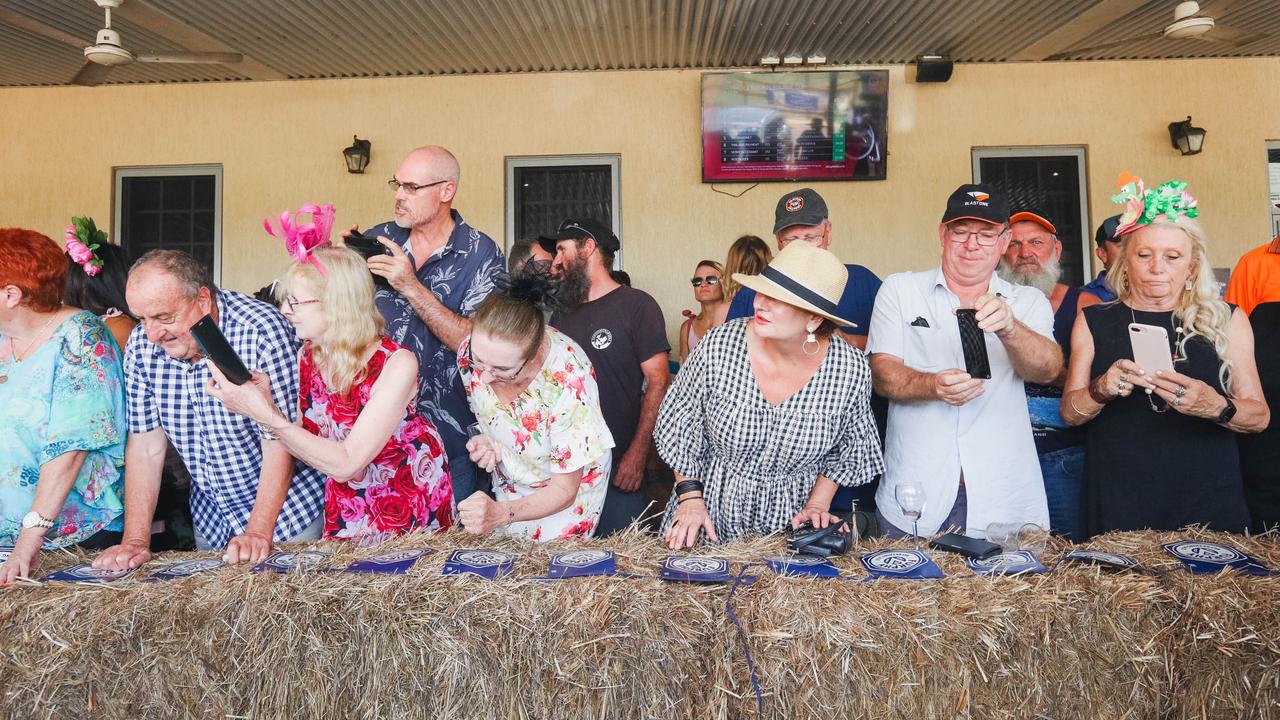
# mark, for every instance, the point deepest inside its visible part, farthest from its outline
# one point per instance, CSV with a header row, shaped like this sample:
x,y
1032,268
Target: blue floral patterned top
x,y
68,395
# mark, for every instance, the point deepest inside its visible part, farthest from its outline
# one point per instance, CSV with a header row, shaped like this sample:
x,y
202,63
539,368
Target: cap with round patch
x,y
800,207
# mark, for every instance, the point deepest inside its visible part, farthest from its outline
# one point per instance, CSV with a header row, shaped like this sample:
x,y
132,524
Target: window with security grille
x,y
170,208
544,191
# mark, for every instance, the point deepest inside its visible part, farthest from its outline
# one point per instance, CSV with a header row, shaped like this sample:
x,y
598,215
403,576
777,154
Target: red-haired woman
x,y
61,408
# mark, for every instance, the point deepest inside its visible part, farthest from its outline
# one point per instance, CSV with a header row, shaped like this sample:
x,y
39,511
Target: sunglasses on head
x,y
710,280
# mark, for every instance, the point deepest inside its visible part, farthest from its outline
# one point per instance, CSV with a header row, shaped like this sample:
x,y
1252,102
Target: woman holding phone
x,y
1161,450
357,423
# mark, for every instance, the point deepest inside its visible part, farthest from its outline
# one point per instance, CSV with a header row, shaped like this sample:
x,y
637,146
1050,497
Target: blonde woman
x,y
708,290
748,255
386,465
1161,445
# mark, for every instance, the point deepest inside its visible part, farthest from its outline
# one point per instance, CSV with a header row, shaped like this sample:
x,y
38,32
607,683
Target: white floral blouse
x,y
553,427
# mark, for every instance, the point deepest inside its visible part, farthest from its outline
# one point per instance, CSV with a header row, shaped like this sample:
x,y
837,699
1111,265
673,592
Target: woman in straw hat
x,y
770,415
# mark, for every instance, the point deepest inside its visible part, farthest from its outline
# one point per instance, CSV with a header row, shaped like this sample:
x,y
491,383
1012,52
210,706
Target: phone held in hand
x,y
367,247
215,347
974,344
966,546
1150,345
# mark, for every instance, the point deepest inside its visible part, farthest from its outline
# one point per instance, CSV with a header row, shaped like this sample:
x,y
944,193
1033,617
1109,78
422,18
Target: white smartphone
x,y
1150,345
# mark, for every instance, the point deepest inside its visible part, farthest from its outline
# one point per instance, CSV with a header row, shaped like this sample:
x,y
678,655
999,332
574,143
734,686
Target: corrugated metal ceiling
x,y
375,38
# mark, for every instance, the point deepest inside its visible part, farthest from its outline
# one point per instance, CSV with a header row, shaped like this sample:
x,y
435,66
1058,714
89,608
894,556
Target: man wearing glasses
x,y
802,215
440,269
966,440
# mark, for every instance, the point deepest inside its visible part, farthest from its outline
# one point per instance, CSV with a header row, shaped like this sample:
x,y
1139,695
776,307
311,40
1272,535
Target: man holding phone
x,y
246,490
967,440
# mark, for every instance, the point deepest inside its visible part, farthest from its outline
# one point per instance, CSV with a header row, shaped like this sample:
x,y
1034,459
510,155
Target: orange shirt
x,y
1256,278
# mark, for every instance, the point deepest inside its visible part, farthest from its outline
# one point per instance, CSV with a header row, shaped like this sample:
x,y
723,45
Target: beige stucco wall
x,y
279,144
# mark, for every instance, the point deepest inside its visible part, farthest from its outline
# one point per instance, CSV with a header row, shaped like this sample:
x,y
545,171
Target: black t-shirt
x,y
618,332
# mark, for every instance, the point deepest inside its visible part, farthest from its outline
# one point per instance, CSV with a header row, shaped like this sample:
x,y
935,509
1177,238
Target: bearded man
x,y
1033,259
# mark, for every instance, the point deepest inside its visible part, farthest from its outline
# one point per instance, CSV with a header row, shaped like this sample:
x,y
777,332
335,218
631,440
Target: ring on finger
x,y
1177,400
1181,391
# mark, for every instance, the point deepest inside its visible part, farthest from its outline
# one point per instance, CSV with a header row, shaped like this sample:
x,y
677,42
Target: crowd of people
x,y
431,385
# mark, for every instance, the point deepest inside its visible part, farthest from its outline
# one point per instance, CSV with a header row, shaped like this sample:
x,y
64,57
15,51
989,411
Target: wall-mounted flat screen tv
x,y
827,125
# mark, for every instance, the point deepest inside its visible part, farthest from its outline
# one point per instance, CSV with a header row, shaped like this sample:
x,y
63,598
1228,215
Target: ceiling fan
x,y
107,53
1189,23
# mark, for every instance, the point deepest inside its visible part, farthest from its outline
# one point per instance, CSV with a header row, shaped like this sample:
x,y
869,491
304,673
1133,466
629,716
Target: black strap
x,y
801,291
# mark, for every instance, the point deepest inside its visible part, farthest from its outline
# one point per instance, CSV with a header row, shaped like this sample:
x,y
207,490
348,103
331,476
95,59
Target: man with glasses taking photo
x,y
966,440
439,271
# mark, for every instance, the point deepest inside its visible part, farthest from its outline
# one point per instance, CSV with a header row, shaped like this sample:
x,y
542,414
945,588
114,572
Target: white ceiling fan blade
x,y
91,74
195,58
1094,49
1231,36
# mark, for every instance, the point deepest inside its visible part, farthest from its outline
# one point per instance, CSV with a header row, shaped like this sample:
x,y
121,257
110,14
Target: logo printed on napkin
x,y
695,569
1013,562
803,565
396,562
86,573
187,568
582,562
902,564
1206,557
5,552
285,561
489,564
1110,561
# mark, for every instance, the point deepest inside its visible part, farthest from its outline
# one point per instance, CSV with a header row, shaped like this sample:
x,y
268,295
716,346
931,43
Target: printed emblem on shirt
x,y
601,339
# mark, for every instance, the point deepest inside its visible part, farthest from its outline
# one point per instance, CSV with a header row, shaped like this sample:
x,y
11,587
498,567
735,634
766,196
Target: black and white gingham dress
x,y
759,461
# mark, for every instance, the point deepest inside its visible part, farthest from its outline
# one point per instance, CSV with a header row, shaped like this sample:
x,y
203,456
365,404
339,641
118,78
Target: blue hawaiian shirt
x,y
461,275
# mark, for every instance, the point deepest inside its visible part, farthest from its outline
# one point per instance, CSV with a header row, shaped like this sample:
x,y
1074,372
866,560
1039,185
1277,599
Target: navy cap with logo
x,y
977,202
1107,230
578,229
1035,215
800,207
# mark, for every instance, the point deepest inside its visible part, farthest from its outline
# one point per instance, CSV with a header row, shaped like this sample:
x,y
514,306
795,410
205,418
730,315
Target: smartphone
x,y
964,545
974,343
215,347
367,247
1150,345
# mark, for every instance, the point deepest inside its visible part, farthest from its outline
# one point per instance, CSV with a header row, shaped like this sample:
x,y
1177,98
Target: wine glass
x,y
910,496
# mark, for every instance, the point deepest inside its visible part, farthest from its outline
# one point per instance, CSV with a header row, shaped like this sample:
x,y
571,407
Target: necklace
x,y
17,355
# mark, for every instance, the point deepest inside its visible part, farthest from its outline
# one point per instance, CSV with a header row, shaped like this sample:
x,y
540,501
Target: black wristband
x,y
691,497
685,486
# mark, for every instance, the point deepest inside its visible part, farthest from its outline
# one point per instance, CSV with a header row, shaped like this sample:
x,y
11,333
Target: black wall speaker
x,y
933,68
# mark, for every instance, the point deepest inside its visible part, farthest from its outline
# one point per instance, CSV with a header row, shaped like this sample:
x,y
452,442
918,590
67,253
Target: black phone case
x,y
964,545
214,345
367,247
974,344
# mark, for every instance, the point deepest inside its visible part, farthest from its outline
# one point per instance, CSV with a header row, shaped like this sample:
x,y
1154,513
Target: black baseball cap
x,y
1107,230
1035,215
801,207
977,202
548,243
577,229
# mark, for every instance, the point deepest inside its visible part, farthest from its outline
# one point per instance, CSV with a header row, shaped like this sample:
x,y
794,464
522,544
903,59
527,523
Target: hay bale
x,y
1074,643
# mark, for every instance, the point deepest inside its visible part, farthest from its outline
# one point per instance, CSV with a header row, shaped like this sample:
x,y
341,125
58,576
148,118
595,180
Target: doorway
x,y
1051,178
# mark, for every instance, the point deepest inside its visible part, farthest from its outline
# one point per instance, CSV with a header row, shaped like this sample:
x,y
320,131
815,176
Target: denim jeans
x,y
1063,471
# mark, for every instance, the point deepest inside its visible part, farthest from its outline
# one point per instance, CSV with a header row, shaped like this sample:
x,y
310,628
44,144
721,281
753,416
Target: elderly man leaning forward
x,y
1033,259
439,272
246,490
965,440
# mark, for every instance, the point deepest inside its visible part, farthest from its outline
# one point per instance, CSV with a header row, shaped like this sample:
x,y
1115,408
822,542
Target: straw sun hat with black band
x,y
805,276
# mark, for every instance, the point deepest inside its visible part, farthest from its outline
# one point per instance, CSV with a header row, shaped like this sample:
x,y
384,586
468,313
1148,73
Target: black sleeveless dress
x,y
1161,471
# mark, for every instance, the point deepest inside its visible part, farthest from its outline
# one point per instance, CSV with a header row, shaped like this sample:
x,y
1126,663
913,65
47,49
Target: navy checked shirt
x,y
222,450
461,276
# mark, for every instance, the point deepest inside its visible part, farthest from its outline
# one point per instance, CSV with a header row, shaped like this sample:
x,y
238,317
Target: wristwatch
x,y
34,519
1227,413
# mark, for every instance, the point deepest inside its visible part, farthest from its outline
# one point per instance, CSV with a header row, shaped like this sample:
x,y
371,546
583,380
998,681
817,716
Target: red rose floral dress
x,y
553,427
406,487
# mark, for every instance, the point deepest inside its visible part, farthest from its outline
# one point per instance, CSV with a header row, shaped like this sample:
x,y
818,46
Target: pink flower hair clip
x,y
300,239
83,238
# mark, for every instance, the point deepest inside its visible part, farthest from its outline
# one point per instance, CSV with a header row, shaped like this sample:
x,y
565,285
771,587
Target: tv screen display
x,y
827,125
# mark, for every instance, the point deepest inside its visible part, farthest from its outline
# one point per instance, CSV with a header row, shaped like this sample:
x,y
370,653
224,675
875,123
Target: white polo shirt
x,y
988,438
